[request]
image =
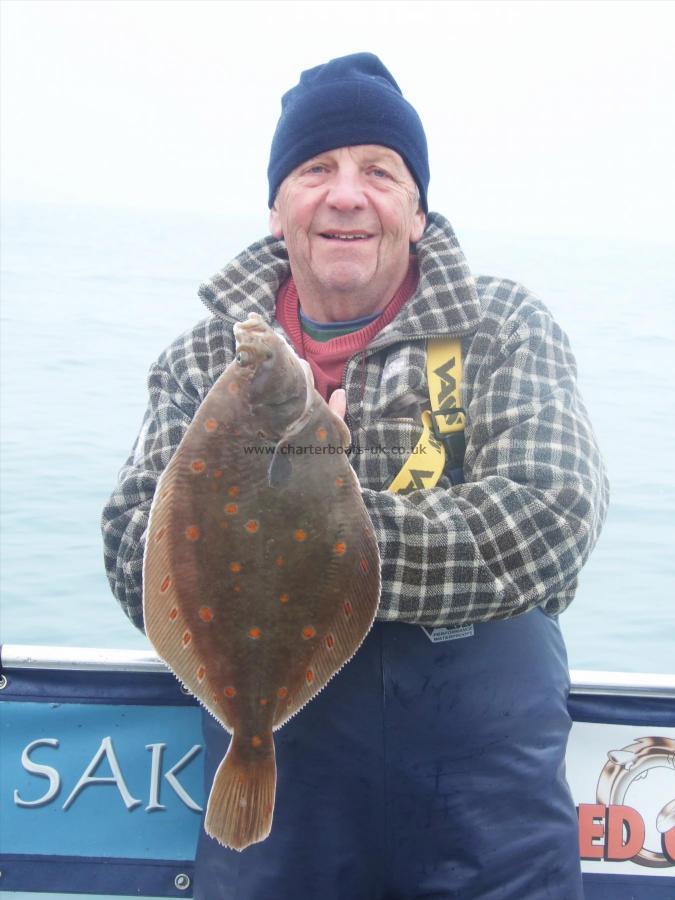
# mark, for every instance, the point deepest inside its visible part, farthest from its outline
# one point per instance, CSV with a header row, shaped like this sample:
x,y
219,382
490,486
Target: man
x,y
433,764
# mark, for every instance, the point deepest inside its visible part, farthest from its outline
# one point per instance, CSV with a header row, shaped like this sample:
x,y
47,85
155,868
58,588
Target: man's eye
x,y
317,169
379,173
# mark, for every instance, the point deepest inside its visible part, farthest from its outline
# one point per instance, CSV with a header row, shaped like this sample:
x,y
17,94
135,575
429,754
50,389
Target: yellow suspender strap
x,y
425,465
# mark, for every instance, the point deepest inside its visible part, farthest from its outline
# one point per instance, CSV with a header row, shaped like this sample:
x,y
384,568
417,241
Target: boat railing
x,y
36,656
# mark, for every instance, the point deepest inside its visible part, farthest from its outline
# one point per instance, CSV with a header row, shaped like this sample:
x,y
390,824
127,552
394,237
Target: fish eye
x,y
244,358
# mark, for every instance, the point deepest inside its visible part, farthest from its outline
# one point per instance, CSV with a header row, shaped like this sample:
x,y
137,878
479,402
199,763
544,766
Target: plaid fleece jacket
x,y
513,537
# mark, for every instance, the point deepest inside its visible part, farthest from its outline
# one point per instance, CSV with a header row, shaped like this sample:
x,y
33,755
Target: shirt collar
x,y
445,302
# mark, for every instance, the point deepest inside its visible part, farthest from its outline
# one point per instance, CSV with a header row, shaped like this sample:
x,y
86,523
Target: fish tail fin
x,y
241,803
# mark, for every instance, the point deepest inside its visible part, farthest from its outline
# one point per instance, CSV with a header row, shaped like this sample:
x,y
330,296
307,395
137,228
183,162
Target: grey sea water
x,y
90,297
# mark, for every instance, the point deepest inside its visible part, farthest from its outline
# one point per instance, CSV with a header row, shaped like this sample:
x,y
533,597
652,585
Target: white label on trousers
x,y
437,635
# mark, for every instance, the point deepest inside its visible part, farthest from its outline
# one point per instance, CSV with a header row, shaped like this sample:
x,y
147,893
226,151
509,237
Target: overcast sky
x,y
549,117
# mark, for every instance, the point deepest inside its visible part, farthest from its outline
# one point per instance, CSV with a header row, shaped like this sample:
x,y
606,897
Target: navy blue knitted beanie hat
x,y
347,101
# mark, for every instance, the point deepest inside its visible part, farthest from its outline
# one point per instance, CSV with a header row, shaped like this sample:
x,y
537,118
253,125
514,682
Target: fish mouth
x,y
253,325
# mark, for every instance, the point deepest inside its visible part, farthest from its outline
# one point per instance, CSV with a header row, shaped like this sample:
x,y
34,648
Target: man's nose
x,y
346,191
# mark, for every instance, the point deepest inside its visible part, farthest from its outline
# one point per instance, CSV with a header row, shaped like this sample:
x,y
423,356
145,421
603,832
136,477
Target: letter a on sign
x,y
87,779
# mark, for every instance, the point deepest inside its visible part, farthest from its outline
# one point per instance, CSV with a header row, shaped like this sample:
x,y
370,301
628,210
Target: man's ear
x,y
418,225
275,223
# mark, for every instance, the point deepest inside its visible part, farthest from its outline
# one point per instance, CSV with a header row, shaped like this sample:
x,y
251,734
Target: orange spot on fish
x,y
279,561
367,531
329,641
206,614
283,598
321,434
210,424
339,548
300,535
187,637
256,741
173,614
309,676
339,482
233,387
160,534
192,533
223,525
235,567
363,565
230,692
251,526
231,509
348,608
165,585
198,465
263,701
201,672
233,491
308,632
236,588
282,693
254,633
217,473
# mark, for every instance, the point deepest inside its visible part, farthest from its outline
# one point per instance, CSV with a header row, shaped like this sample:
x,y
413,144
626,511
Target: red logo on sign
x,y
611,830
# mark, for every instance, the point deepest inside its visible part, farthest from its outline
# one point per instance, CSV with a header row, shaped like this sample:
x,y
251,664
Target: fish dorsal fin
x,y
165,625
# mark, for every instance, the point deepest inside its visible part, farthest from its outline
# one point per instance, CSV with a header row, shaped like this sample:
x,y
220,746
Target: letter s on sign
x,y
42,770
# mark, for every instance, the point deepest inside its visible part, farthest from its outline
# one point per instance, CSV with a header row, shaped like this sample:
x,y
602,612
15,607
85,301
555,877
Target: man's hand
x,y
337,402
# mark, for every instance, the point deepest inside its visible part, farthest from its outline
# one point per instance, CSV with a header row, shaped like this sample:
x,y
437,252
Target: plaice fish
x,y
261,571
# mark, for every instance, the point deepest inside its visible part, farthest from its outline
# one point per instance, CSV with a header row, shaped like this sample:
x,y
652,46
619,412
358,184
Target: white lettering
x,y
155,771
87,778
41,770
153,799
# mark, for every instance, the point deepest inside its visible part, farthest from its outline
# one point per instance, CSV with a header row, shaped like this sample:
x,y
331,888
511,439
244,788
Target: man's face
x,y
348,217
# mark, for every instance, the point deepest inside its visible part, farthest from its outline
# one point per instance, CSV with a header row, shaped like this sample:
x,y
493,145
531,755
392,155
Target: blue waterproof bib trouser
x,y
422,770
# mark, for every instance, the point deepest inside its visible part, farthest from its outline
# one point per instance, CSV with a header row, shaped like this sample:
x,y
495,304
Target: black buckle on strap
x,y
454,442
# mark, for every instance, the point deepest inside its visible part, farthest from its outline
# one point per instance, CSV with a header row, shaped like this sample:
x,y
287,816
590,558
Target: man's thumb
x,y
337,402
